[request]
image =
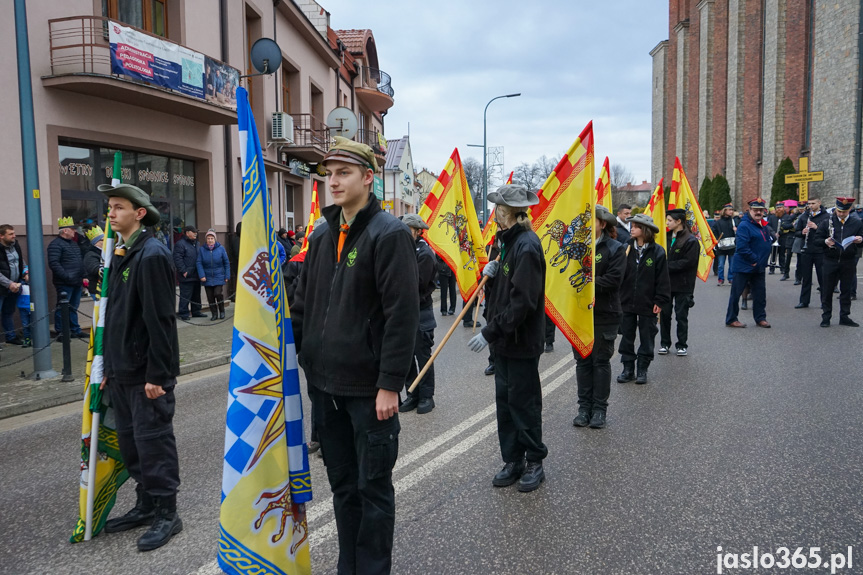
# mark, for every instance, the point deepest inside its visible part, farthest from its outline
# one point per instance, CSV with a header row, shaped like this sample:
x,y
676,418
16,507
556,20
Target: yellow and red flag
x,y
681,196
564,217
490,229
314,215
603,187
454,231
656,209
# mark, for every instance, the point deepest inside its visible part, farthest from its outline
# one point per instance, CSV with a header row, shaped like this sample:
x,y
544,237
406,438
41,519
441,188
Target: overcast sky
x,y
573,61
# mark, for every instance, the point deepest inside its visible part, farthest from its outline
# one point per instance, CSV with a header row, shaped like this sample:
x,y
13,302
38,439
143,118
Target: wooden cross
x,y
803,177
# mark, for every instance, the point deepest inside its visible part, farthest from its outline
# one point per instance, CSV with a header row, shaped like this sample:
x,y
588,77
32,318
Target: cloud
x,y
572,61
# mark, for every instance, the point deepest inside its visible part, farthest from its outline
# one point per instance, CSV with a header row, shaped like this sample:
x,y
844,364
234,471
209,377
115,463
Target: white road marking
x,y
325,507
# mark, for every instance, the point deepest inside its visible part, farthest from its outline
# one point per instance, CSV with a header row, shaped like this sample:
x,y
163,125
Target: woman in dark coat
x,y
593,373
214,269
646,290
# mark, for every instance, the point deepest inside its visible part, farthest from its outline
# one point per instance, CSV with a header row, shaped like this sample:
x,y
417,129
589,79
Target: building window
x,y
290,90
289,207
149,15
169,181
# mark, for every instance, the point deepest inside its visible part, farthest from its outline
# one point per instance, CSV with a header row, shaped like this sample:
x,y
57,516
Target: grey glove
x,y
491,268
477,343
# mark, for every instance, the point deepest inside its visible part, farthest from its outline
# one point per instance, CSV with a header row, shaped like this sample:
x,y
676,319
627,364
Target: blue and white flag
x,y
266,480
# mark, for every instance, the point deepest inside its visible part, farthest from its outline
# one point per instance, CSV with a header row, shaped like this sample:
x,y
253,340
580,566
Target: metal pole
x,y
67,337
485,155
32,203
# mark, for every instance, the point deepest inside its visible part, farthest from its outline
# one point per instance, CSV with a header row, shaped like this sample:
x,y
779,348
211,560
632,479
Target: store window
x,y
149,15
169,181
289,207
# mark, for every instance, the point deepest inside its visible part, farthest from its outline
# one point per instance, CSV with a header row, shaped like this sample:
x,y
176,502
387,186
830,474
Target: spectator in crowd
x,y
623,226
67,267
214,269
13,279
185,261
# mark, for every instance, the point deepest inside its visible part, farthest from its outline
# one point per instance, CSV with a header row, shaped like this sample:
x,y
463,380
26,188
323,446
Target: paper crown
x,y
94,232
66,222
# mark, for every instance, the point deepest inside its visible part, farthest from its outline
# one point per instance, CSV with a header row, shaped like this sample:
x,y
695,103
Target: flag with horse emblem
x,y
656,210
564,221
265,477
454,231
603,187
681,196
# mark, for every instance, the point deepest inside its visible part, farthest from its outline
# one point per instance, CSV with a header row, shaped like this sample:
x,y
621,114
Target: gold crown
x,y
93,232
66,222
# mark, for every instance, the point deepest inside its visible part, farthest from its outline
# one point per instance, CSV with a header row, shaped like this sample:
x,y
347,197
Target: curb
x,y
46,402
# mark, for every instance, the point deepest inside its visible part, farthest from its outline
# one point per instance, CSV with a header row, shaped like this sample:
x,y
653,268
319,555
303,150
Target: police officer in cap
x,y
840,235
422,399
515,310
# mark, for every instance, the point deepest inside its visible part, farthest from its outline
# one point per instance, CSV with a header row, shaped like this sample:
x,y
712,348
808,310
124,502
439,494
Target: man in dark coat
x,y
13,276
185,259
753,243
623,226
812,254
786,241
841,236
773,221
683,253
422,398
355,339
516,331
67,268
142,361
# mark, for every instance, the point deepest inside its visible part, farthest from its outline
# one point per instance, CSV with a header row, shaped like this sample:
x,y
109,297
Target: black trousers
x,y
518,395
145,433
806,263
549,330
359,454
680,304
841,274
422,352
593,373
215,298
645,325
190,293
470,312
785,259
447,285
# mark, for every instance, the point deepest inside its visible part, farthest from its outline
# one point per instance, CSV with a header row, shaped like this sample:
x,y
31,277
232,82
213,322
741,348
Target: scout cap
x,y
135,195
603,214
644,220
514,196
414,221
345,150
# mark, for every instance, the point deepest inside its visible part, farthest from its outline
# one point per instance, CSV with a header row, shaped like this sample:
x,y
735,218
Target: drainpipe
x,y
226,131
858,136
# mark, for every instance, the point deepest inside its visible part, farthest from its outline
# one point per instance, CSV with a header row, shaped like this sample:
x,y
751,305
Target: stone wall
x,y
706,9
659,138
734,130
774,92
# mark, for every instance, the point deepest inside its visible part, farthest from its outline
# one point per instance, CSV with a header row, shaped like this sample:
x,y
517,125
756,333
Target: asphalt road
x,y
752,440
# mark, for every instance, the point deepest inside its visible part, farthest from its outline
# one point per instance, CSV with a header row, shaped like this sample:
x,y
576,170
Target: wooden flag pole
x,y
448,334
476,314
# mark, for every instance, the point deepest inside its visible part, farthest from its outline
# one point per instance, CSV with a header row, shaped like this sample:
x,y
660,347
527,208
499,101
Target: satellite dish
x,y
266,56
342,122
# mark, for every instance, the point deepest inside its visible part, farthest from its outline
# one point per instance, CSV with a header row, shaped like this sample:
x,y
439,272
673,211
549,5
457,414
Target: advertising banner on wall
x,y
222,82
143,57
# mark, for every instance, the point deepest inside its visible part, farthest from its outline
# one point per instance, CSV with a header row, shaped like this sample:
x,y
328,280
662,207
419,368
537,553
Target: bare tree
x,y
545,166
619,176
528,175
473,174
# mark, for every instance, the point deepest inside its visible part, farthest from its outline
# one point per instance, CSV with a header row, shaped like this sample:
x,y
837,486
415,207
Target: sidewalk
x,y
203,344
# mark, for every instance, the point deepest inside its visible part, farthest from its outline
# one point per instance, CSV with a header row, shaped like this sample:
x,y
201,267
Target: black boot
x,y
628,373
409,404
582,418
166,524
221,315
532,477
509,474
426,404
641,376
142,514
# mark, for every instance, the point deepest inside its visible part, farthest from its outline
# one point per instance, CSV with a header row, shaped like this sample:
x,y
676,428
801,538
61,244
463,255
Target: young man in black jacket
x,y
355,315
812,254
142,362
683,253
185,258
840,261
67,271
515,310
422,399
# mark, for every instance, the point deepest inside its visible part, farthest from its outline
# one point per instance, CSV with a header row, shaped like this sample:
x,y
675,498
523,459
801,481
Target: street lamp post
x,y
485,153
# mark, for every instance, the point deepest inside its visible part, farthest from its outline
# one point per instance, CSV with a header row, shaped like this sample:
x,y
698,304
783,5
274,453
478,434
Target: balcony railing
x,y
309,131
79,45
379,80
370,138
